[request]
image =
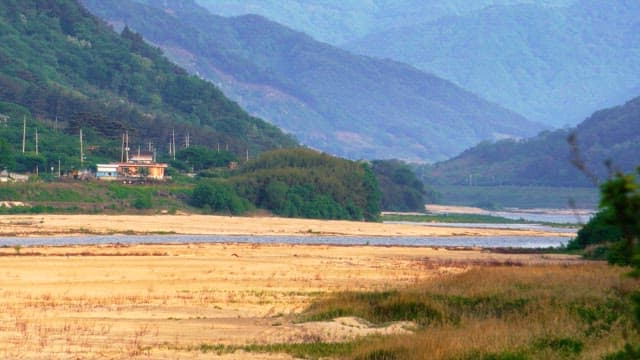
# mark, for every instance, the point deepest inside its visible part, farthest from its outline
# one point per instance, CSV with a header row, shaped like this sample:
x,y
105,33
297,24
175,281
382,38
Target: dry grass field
x,y
181,301
46,224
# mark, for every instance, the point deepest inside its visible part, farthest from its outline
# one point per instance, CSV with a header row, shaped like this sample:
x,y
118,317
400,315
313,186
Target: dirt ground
x,y
165,301
29,225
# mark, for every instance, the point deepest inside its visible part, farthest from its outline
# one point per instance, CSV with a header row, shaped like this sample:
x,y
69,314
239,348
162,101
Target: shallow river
x,y
490,242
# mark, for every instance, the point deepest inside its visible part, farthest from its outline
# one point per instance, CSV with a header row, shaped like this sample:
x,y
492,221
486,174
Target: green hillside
x,y
608,135
352,106
555,65
63,69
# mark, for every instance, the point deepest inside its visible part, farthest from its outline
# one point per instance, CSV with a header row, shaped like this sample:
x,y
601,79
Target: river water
x,y
452,241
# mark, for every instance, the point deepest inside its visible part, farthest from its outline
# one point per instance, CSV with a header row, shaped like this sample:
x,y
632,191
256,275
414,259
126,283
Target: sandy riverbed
x,y
26,225
164,301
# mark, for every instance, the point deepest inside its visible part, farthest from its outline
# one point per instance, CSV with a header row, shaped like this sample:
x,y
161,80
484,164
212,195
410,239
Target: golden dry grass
x,y
529,312
163,301
26,225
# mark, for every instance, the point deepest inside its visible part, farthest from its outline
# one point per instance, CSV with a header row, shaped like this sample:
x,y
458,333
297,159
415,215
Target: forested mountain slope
x,y
607,135
57,61
348,105
555,65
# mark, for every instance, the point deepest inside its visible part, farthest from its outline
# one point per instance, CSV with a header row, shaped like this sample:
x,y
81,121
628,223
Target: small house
x,y
138,167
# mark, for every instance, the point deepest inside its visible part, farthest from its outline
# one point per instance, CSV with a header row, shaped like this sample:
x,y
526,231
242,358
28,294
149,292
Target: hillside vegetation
x,y
63,69
612,134
305,183
555,65
351,106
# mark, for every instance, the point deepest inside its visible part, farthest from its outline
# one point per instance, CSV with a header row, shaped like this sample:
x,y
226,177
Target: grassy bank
x,y
522,312
453,218
78,197
518,196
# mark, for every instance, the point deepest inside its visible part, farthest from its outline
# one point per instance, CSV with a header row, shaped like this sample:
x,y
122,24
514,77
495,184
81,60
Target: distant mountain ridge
x,y
608,135
348,105
340,21
555,65
554,61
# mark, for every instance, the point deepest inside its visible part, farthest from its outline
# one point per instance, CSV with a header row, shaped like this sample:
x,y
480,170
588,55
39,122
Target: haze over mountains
x,y
341,21
332,100
552,61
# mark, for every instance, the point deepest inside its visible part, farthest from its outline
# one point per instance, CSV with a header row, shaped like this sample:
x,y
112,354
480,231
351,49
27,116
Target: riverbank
x,y
75,225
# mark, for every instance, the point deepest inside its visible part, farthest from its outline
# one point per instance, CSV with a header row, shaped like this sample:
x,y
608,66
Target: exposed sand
x,y
26,225
164,301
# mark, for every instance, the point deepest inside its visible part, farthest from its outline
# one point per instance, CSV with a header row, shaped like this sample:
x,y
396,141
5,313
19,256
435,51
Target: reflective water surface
x,y
490,242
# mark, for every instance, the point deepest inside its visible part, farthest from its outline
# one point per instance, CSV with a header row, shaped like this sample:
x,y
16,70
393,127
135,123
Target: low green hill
x,y
305,183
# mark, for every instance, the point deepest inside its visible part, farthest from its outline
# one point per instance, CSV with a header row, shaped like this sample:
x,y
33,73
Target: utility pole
x,y
37,142
126,147
173,143
59,171
24,132
247,155
122,149
81,150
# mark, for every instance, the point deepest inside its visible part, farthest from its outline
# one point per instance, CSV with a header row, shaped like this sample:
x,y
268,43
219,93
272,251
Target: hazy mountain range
x,y
348,105
551,61
341,21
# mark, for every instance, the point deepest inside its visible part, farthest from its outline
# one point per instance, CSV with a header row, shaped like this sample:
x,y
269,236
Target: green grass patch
x,y
525,197
453,218
305,350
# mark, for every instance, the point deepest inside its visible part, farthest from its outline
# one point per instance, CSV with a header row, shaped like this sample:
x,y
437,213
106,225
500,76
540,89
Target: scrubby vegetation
x,y
614,233
489,312
305,183
497,313
401,188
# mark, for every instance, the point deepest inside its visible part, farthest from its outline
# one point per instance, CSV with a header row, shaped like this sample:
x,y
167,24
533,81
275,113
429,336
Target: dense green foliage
x,y
69,70
219,198
551,64
611,134
352,106
53,144
196,158
305,183
401,189
621,196
601,229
